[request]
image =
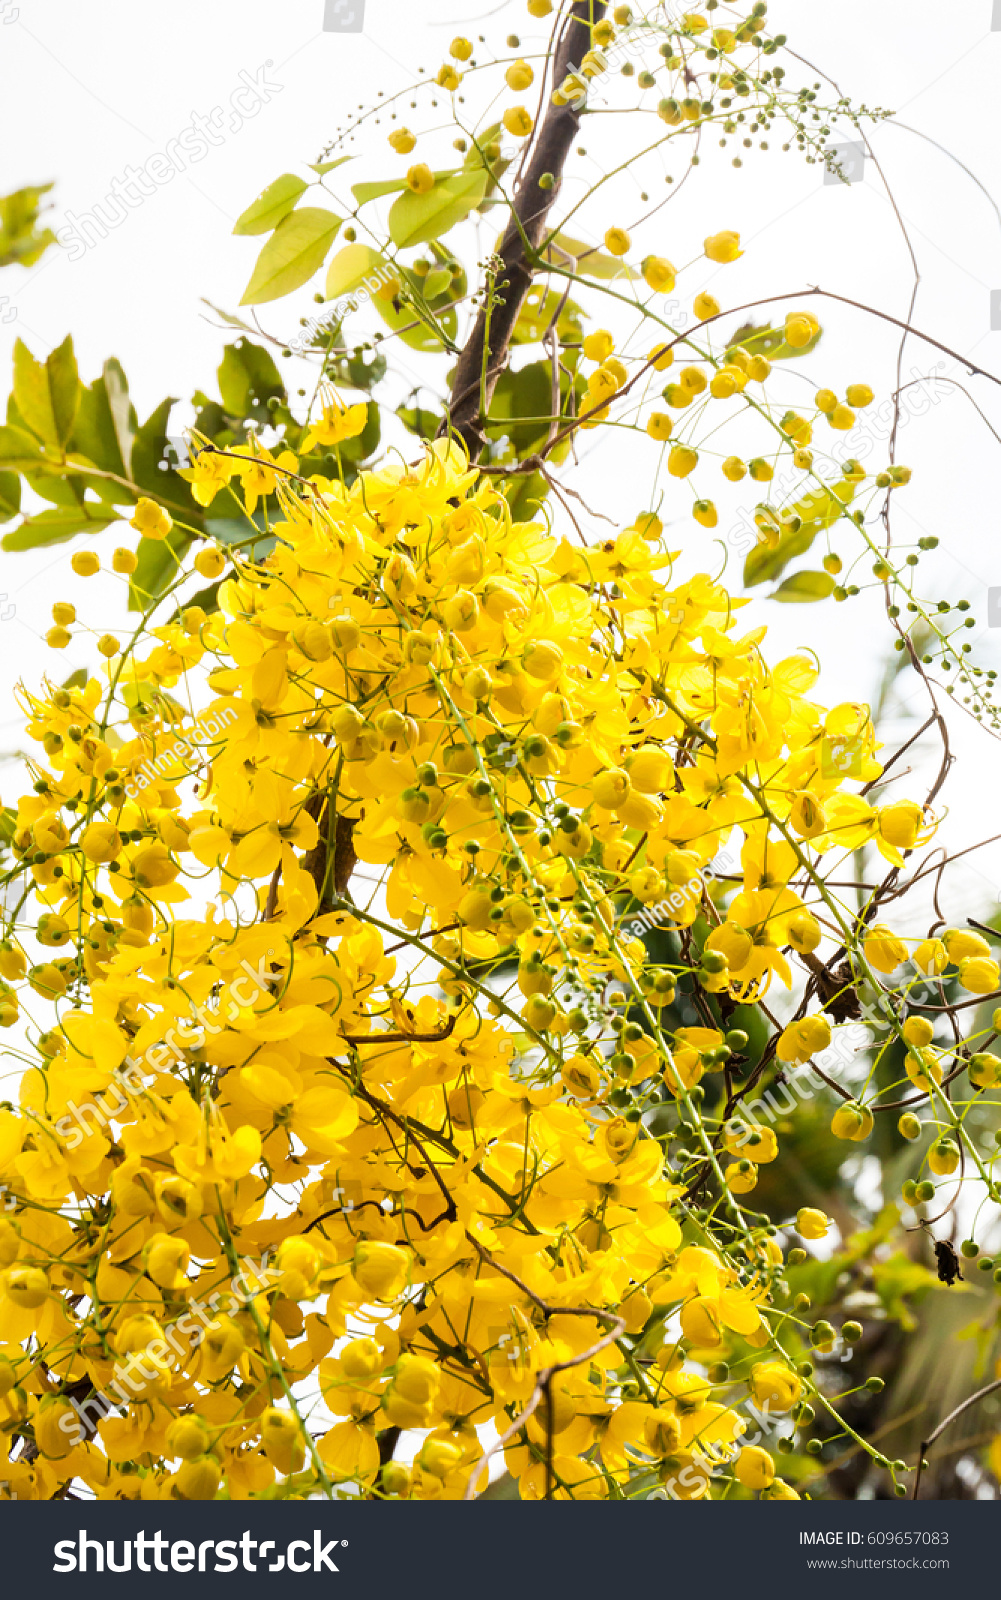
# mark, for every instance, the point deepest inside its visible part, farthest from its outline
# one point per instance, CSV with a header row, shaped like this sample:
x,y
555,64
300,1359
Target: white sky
x,y
85,92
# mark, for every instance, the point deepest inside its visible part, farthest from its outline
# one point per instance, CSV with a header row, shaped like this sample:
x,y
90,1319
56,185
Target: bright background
x,y
85,93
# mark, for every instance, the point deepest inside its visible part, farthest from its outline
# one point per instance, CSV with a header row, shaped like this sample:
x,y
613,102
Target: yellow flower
x,y
775,1385
811,1223
598,345
658,274
852,1121
754,1467
337,423
979,975
518,121
382,1270
803,1039
723,247
519,75
883,950
151,520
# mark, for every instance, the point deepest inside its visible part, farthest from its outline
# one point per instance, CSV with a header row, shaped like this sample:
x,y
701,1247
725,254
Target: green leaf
x,y
105,427
321,168
151,470
503,1488
56,526
10,495
207,598
420,337
364,192
763,563
435,283
771,342
419,420
350,267
818,509
537,312
585,258
824,504
364,374
20,240
237,530
474,155
271,205
159,562
248,379
525,496
19,451
522,404
228,317
417,218
47,394
123,415
294,252
60,489
803,587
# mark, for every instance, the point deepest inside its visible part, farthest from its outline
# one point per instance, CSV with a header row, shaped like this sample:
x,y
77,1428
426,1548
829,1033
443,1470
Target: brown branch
x,y
926,1444
488,344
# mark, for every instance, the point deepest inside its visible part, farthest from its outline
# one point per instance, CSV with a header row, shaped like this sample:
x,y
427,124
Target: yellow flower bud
x,y
519,75
943,1157
803,1039
101,842
209,563
852,1121
659,274
28,1287
754,1467
979,975
682,460
659,426
187,1437
961,943
775,1385
610,788
883,950
381,1270
811,1223
723,247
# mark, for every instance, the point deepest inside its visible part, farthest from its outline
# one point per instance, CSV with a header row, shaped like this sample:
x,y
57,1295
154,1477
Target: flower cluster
x,y
463,1181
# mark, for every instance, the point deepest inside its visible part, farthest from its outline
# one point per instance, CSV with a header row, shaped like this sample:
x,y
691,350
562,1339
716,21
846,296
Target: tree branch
x,y
525,231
